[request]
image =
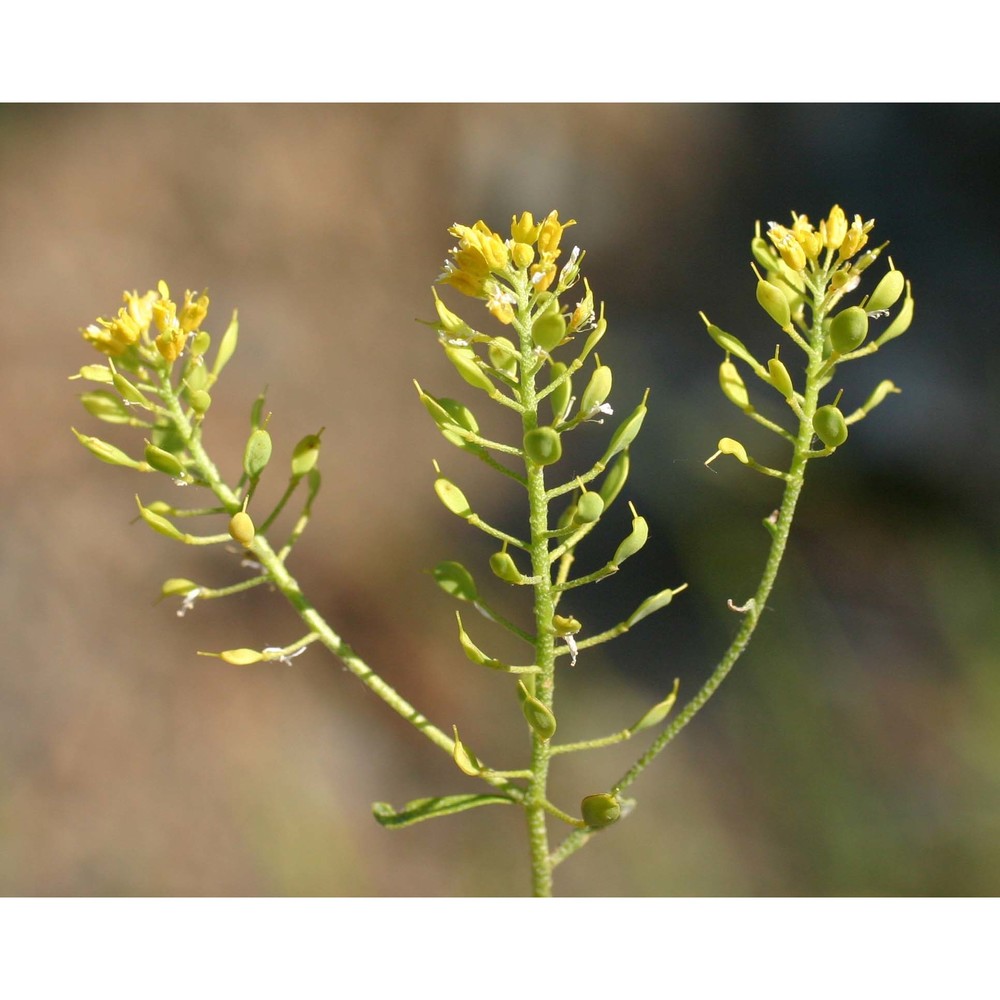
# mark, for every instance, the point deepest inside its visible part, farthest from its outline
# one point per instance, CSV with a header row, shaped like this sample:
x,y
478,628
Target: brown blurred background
x,y
855,750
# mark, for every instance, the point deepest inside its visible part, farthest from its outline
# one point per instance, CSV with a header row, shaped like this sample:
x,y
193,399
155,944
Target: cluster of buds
x,y
807,272
130,327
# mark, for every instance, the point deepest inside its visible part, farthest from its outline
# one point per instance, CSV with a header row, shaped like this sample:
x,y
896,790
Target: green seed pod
x,y
730,446
563,625
305,455
627,431
159,524
241,528
453,578
597,391
200,343
887,291
452,497
599,811
105,406
505,568
195,378
177,587
774,302
466,760
503,356
108,452
473,652
163,461
95,373
589,507
257,412
848,329
733,386
634,542
452,324
658,712
549,329
829,425
763,253
241,657
464,359
780,378
652,604
540,718
199,401
614,479
729,343
227,346
883,389
543,446
561,395
257,453
595,335
128,391
902,321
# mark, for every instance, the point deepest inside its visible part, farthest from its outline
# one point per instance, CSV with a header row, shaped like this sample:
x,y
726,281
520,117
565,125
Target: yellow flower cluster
x,y
803,242
131,324
483,256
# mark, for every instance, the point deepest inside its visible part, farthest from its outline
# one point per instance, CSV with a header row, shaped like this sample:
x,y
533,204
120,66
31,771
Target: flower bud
x,y
601,810
829,425
774,302
543,446
241,528
523,254
887,291
848,329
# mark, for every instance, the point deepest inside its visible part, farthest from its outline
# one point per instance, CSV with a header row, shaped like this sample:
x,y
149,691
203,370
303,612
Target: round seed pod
x,y
241,528
540,718
848,329
589,507
549,330
601,810
543,446
829,425
200,400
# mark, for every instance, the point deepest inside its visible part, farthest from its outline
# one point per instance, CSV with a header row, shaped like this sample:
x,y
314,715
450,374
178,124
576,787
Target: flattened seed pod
x,y
543,446
780,378
560,396
829,425
597,391
589,507
305,455
452,497
163,461
614,479
733,387
257,453
541,719
887,291
505,568
774,302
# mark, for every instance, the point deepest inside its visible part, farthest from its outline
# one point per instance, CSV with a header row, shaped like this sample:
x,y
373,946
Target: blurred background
x,y
855,750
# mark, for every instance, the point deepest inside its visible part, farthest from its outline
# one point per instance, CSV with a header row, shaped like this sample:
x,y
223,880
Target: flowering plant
x,y
158,376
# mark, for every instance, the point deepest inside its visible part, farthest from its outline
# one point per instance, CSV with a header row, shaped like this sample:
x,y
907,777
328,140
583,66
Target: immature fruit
x,y
543,446
600,810
848,329
829,425
589,507
241,528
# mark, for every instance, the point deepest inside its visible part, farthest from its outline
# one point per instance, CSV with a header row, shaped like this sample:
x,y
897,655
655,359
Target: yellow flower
x,y
856,238
834,228
788,246
116,335
524,230
193,312
500,301
551,233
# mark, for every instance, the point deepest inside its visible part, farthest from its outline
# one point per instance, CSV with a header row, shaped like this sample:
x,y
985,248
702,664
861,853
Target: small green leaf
x,y
430,808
